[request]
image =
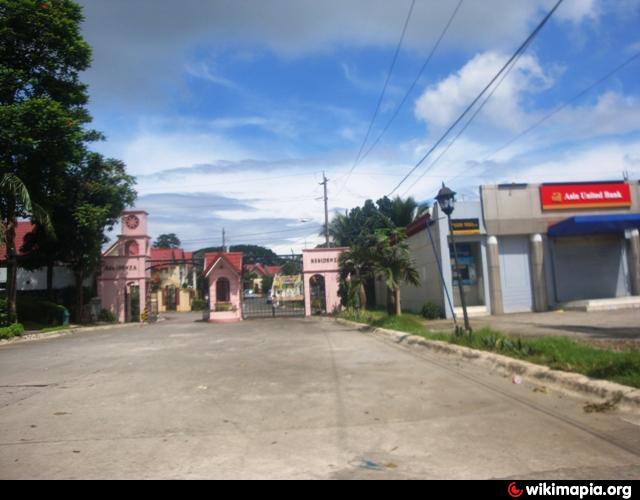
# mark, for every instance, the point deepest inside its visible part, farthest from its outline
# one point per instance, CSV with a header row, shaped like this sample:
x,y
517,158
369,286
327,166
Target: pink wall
x,y
119,272
235,288
322,261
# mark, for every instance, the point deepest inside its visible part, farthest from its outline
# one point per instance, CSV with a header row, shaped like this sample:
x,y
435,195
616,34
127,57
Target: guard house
x,y
124,278
321,280
223,271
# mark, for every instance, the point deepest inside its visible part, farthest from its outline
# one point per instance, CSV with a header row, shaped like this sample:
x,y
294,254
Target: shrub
x,y
40,311
106,316
198,305
225,306
4,312
432,311
10,331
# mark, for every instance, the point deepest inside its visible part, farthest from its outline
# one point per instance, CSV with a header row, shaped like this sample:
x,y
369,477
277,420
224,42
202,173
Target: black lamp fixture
x,y
446,199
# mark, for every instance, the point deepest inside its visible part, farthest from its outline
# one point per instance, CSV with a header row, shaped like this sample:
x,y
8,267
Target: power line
x,y
384,87
238,236
558,109
413,84
466,125
479,96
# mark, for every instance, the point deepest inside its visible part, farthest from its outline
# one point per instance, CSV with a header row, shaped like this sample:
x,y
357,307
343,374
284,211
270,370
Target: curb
x,y
574,383
30,337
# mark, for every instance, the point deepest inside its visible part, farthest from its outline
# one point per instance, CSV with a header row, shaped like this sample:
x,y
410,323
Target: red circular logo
x,y
514,491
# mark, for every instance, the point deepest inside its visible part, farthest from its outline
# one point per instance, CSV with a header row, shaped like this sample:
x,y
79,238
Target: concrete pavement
x,y
284,399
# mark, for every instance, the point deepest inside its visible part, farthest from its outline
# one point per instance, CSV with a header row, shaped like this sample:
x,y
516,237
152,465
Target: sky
x,y
228,111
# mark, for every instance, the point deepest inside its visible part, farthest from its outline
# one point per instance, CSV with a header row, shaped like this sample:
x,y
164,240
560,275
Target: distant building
x,y
261,271
173,277
37,279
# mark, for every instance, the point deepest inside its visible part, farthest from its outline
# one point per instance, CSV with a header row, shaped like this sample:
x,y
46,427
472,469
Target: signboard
x,y
287,288
465,226
585,196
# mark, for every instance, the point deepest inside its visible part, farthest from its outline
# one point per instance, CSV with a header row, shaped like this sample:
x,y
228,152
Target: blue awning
x,y
595,224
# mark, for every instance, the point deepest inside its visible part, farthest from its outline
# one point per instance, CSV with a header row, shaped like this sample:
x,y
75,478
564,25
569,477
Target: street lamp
x,y
446,199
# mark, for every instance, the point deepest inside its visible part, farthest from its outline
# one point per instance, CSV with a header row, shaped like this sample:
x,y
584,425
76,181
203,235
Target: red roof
x,y
170,255
418,225
262,269
273,270
23,228
234,259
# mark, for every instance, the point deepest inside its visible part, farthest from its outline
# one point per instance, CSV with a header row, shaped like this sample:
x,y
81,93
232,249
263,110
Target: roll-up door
x,y
515,274
589,267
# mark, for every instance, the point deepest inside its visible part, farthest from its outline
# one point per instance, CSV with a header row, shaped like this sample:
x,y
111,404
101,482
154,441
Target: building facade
x,y
531,247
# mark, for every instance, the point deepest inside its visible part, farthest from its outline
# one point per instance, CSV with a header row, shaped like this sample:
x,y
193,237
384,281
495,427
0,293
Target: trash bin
x,y
65,317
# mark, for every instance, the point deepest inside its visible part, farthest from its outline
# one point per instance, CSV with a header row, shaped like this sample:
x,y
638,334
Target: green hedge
x,y
14,330
4,312
198,305
40,311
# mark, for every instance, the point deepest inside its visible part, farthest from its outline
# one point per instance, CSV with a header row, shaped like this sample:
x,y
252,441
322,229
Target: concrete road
x,y
284,399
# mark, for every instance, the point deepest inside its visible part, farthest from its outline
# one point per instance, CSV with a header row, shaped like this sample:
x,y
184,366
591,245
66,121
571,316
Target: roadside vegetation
x,y
558,353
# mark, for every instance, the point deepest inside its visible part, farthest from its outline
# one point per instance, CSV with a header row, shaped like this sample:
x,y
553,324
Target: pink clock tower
x,y
124,278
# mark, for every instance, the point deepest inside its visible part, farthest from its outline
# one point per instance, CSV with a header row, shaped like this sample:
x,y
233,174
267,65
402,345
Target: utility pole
x,y
224,241
326,210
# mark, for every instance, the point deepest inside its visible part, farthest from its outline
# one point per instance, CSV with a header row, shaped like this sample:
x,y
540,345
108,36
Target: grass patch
x,y
32,327
558,353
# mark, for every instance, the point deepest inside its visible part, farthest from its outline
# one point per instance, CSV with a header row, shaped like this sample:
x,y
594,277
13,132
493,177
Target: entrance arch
x,y
322,266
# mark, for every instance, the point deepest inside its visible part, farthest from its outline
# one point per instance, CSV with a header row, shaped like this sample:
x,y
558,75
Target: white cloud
x,y
152,152
443,102
206,72
138,45
578,10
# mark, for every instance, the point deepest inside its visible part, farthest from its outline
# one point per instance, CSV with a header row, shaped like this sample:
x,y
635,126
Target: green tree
x,y
167,241
401,212
98,191
356,268
392,260
15,196
42,107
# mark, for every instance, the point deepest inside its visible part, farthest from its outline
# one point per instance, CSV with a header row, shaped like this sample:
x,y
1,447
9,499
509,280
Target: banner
x,y
287,288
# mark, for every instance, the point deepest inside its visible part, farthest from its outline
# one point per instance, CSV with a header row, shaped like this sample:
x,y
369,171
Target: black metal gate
x,y
270,303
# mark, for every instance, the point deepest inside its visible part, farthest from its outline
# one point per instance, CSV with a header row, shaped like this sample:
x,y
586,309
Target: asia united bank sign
x,y
585,196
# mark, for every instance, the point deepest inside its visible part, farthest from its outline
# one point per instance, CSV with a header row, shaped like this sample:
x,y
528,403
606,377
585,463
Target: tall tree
x,y
401,212
98,191
169,240
42,105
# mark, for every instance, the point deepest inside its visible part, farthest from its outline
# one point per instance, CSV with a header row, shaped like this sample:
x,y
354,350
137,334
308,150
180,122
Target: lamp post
x,y
446,200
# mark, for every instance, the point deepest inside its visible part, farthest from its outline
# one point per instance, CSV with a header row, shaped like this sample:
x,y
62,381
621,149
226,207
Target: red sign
x,y
581,196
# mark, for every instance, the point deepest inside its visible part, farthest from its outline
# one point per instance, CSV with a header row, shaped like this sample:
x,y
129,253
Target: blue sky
x,y
228,112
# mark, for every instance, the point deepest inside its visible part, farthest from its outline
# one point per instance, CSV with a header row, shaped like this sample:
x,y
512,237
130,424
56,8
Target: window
x,y
223,290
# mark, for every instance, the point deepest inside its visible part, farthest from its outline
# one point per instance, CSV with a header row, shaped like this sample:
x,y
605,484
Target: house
x,y
37,279
173,278
223,270
261,271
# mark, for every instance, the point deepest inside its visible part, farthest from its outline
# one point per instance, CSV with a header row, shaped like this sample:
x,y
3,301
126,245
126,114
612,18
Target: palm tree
x,y
16,201
402,212
392,260
356,267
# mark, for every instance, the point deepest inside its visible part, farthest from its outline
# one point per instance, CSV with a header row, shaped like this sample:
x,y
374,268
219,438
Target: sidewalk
x,y
618,326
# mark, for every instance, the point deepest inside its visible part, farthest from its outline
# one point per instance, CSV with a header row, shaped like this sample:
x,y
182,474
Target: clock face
x,y
132,221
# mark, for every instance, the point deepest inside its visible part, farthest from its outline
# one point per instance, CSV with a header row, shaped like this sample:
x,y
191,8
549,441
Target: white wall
x,y
37,280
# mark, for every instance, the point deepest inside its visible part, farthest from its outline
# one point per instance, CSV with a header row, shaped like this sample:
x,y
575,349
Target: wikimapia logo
x,y
581,491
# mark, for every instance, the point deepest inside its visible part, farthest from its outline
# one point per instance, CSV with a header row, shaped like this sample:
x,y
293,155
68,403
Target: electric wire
x,y
479,96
